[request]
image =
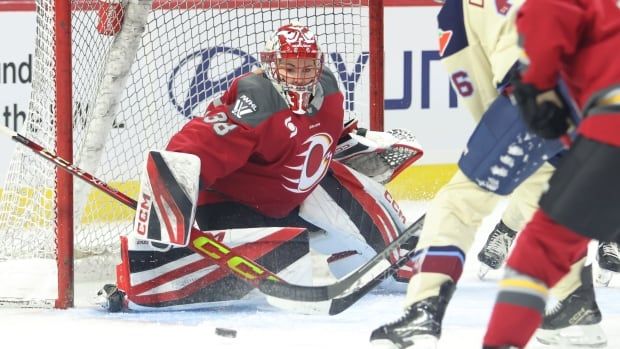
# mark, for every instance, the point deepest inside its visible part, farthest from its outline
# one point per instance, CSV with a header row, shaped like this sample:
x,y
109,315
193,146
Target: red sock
x,y
511,325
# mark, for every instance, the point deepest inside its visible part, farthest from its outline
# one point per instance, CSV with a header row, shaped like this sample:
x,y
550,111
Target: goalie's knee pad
x,y
501,153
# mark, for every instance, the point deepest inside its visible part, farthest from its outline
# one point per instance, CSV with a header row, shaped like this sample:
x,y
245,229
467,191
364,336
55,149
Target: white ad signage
x,y
418,96
16,59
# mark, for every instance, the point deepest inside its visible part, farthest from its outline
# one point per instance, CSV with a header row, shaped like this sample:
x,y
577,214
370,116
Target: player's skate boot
x,y
419,327
608,261
111,298
574,321
496,248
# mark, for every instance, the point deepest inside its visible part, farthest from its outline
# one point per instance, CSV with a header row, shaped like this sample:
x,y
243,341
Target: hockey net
x,y
132,87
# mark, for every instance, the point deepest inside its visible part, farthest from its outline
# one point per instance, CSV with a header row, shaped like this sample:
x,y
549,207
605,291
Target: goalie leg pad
x,y
181,279
501,153
348,203
356,213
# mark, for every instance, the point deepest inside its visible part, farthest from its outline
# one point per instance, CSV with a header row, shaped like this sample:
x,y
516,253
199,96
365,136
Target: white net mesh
x,y
187,52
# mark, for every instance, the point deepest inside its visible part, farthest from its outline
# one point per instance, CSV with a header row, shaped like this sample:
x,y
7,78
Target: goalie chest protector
x,y
273,158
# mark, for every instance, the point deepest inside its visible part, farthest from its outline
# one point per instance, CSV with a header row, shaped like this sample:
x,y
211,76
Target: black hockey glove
x,y
545,119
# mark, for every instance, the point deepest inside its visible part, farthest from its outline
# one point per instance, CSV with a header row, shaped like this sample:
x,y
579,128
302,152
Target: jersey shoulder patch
x,y
256,100
451,23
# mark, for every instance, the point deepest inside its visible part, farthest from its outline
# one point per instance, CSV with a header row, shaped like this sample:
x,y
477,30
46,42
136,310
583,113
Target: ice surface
x,y
260,326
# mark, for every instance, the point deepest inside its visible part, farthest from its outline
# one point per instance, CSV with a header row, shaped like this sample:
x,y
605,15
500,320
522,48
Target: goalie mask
x,y
293,62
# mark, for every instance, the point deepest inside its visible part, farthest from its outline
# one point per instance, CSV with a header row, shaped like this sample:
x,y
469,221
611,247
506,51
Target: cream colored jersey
x,y
478,46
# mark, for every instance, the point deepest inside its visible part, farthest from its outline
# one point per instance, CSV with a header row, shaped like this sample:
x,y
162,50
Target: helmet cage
x,y
296,79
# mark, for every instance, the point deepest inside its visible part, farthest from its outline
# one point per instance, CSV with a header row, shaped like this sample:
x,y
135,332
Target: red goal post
x,y
103,100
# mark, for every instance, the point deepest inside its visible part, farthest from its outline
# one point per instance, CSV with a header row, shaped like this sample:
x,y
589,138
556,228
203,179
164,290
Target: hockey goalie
x,y
271,171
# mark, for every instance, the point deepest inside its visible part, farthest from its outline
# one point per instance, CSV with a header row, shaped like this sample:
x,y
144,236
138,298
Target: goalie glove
x,y
378,155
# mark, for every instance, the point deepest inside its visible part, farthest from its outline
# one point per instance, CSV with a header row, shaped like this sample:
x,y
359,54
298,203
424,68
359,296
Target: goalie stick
x,y
375,269
369,282
267,282
352,288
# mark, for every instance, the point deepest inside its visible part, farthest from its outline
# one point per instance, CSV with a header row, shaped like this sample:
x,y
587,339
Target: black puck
x,y
225,332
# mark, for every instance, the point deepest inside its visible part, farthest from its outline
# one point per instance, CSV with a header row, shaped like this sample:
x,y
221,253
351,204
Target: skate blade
x,y
482,272
383,344
603,278
417,342
425,342
580,336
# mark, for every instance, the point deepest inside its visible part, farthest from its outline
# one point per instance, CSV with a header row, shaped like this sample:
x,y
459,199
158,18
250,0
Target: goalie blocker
x,y
167,201
347,212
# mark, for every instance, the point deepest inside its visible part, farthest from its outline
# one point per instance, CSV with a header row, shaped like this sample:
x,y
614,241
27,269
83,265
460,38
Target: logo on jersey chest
x,y
313,162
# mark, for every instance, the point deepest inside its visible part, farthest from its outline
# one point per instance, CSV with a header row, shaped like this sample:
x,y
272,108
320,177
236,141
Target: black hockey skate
x,y
111,298
574,321
608,260
496,248
420,326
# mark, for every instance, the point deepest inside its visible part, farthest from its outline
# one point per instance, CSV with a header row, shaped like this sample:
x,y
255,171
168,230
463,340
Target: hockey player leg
x,y
428,295
522,204
542,257
419,327
575,318
451,222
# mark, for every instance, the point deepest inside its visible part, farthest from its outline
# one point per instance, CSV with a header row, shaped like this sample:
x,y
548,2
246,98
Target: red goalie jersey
x,y
578,39
256,151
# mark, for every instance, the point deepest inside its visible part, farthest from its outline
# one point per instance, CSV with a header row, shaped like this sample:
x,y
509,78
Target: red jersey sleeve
x,y
549,30
222,145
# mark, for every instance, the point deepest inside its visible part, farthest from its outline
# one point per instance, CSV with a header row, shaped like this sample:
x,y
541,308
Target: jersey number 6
x,y
460,81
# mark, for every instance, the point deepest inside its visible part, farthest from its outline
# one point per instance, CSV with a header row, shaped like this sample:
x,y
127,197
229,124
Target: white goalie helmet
x,y
293,61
